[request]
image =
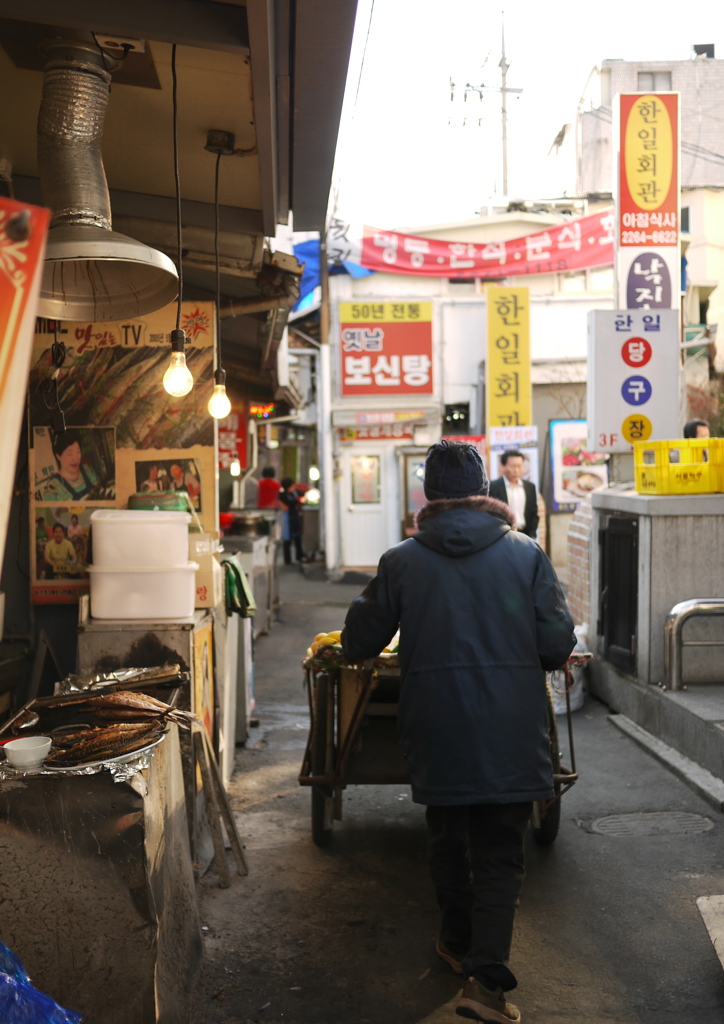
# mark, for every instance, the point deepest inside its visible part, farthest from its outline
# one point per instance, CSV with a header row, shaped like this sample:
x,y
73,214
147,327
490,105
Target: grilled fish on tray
x,y
105,744
93,727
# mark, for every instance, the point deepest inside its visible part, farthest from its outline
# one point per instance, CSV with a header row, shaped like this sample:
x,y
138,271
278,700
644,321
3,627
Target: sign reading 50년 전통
x,y
386,348
508,391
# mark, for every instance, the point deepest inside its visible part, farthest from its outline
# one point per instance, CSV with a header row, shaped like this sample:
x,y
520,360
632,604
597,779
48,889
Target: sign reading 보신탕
x,y
633,377
385,348
647,201
508,390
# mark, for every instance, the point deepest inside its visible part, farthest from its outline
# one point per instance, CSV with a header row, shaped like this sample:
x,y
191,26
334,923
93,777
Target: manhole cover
x,y
652,823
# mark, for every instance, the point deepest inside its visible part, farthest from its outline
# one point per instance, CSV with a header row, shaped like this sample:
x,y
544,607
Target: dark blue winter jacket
x,y
481,616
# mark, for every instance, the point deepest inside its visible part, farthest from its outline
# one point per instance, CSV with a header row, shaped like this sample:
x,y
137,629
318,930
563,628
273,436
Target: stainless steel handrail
x,y
673,643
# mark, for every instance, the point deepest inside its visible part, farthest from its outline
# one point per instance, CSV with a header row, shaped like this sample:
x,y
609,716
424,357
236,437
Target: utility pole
x,y
504,96
480,90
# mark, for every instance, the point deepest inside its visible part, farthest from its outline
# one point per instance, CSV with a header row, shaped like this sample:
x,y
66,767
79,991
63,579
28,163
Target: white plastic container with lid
x,y
143,592
126,537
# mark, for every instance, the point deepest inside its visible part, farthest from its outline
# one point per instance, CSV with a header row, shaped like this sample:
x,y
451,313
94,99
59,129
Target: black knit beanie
x,y
454,470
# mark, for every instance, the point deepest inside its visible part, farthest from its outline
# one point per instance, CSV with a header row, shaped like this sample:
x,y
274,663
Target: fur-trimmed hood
x,y
480,503
457,527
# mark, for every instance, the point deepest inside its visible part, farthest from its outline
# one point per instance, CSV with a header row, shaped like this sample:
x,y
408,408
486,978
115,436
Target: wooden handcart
x,y
353,738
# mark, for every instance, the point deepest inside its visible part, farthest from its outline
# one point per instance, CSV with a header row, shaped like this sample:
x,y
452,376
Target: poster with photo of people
x,y
61,551
158,475
105,429
78,464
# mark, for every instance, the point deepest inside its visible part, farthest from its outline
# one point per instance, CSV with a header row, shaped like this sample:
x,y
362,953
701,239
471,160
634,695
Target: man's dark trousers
x,y
477,864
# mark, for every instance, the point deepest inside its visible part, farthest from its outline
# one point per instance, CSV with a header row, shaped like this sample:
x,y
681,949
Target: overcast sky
x,y
404,156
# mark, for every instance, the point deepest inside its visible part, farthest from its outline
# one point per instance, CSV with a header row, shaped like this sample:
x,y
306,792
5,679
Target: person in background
x,y
77,537
185,481
516,492
290,503
696,428
268,488
482,618
74,479
75,529
60,554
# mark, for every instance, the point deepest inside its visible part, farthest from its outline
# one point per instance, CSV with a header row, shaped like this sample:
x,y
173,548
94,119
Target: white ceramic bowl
x,y
28,752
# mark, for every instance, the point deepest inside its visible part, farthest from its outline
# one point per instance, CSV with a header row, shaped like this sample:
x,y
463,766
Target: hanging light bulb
x,y
219,405
177,379
235,467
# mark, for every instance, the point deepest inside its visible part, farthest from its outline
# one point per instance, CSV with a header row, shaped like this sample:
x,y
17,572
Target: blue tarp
x,y
308,253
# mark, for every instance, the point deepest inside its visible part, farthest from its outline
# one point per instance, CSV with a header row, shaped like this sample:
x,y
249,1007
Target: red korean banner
x,y
648,176
385,348
574,245
233,438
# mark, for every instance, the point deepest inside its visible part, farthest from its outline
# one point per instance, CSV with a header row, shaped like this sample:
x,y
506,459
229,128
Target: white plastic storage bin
x,y
142,592
126,537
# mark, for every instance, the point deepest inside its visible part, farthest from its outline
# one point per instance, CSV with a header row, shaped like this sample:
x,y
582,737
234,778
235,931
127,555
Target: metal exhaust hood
x,y
91,272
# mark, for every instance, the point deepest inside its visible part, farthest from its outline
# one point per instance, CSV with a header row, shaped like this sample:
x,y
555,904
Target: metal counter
x,y
98,892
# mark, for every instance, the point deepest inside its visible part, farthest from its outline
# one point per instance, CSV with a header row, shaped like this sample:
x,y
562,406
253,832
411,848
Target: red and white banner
x,y
574,245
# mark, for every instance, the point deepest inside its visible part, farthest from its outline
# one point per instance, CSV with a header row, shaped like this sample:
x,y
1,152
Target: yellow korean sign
x,y
385,312
508,389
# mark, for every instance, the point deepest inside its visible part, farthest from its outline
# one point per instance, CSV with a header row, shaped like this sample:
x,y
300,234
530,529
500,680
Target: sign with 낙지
x,y
508,389
647,201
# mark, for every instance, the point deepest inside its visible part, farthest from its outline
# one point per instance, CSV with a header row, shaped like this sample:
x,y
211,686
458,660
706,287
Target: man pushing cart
x,y
481,617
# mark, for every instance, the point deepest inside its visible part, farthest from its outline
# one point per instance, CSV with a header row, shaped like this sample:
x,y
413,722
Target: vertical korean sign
x,y
648,271
23,231
385,348
508,389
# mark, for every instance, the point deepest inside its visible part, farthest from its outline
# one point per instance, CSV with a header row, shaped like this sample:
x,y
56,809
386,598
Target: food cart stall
x,y
353,735
98,883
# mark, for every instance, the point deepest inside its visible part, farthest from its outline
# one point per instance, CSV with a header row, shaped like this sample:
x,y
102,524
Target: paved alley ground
x,y
608,929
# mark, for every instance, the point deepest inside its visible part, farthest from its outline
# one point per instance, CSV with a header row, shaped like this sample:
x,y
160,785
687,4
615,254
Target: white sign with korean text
x,y
524,439
633,377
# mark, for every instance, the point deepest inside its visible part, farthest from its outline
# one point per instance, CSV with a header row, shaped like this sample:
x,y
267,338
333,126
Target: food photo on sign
x,y
575,470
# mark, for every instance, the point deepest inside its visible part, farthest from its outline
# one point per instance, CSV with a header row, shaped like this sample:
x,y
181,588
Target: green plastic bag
x,y
239,596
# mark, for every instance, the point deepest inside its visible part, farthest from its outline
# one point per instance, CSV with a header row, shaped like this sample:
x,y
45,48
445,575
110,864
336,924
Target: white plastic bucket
x,y
127,537
140,592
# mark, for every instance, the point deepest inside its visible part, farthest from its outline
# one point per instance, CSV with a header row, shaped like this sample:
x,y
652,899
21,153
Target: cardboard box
x,y
209,582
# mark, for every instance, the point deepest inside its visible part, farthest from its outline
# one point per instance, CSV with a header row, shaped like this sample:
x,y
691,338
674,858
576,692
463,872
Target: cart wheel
x,y
547,823
321,805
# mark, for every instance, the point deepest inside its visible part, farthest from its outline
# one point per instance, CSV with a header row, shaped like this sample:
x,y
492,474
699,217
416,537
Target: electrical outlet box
x,y
112,42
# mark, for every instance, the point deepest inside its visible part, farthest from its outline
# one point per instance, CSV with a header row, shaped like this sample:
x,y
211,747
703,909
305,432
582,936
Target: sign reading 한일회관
x,y
647,201
385,348
508,389
633,377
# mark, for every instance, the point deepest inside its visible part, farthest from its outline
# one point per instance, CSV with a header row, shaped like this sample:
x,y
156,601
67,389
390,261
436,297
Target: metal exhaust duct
x,y
91,272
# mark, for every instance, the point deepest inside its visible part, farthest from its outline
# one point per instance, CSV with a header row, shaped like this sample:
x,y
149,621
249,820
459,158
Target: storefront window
x,y
365,479
414,477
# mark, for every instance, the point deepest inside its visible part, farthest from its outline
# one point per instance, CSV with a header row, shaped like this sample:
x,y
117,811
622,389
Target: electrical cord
x,y
177,180
216,259
48,388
